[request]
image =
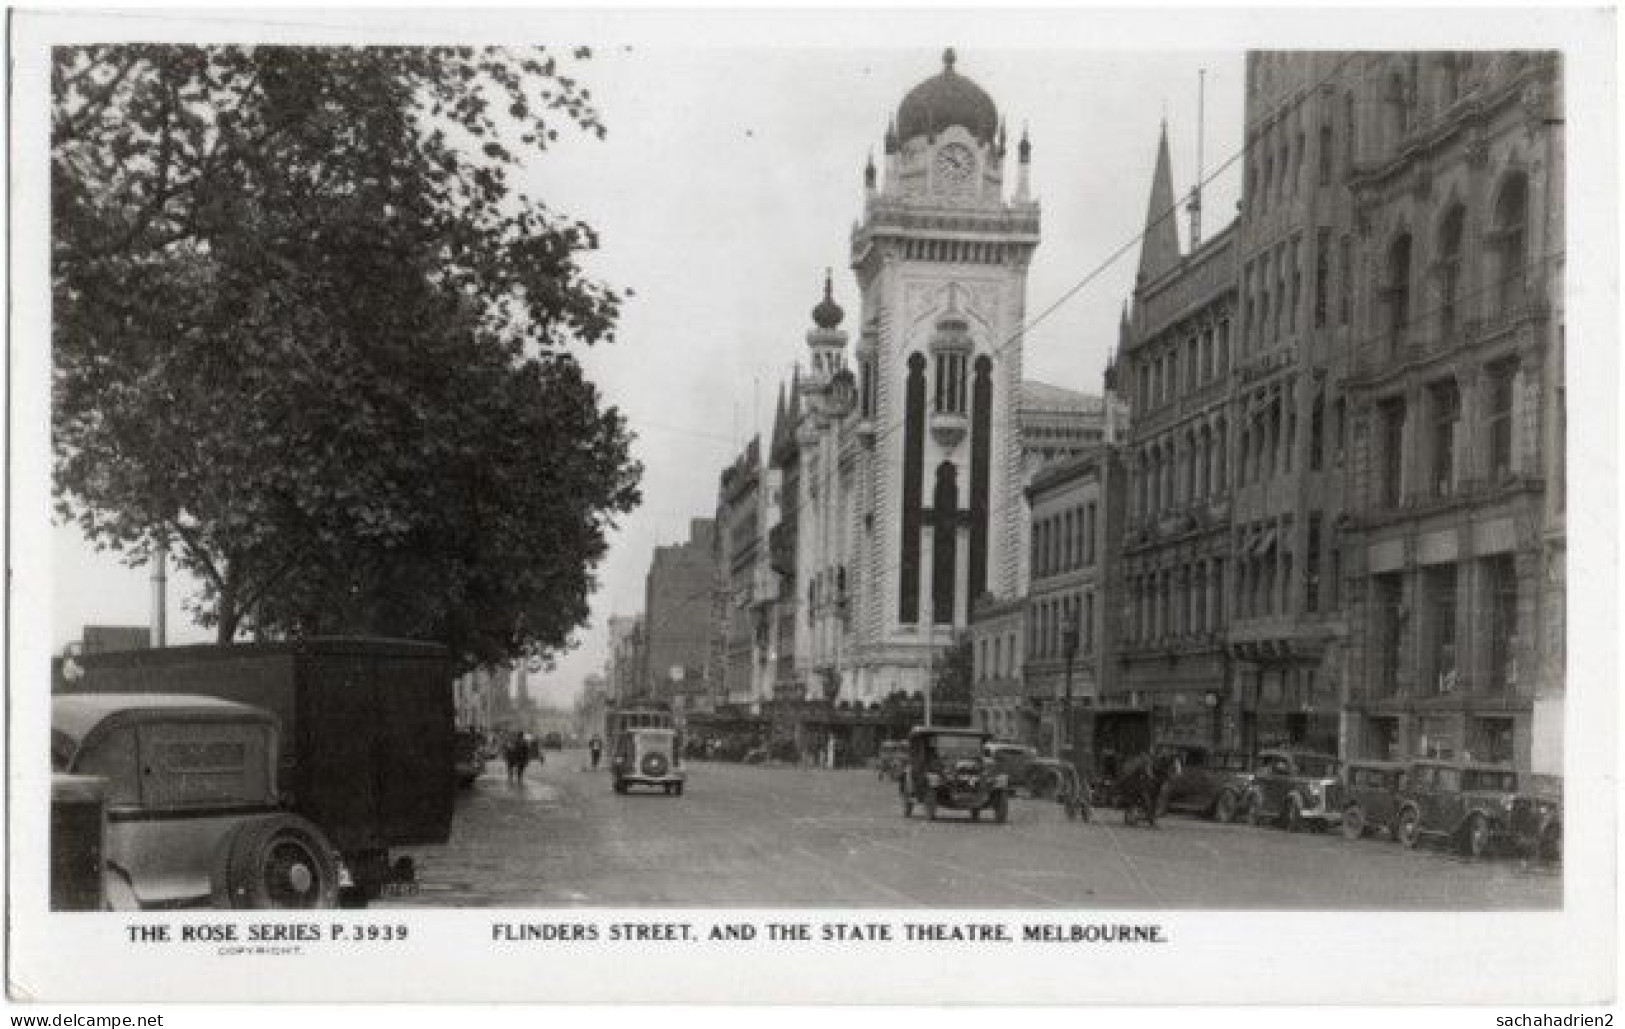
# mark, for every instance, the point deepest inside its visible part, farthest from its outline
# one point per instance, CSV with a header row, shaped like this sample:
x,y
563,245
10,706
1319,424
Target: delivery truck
x,y
367,747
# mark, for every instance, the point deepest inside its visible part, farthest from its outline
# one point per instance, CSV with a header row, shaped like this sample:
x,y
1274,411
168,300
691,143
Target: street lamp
x,y
1069,647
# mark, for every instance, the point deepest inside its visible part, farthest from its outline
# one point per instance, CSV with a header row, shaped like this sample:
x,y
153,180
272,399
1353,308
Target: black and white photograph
x,y
831,487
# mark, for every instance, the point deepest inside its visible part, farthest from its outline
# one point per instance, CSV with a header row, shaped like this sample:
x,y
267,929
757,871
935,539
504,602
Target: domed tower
x,y
941,256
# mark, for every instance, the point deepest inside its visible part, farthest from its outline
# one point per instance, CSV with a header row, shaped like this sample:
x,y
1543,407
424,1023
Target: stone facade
x,y
998,701
1456,400
1066,606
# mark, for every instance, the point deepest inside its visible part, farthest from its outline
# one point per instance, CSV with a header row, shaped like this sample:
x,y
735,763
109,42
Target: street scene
x,y
786,837
952,479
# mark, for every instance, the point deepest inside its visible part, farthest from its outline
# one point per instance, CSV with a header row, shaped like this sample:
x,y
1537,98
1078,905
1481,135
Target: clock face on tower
x,y
954,167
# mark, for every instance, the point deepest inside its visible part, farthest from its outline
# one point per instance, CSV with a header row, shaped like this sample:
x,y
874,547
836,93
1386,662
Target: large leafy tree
x,y
309,337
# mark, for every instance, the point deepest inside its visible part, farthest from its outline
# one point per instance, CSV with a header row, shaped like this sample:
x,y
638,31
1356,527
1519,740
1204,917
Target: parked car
x,y
193,816
1537,818
1011,760
1373,792
1469,804
468,753
648,757
892,759
553,741
1296,790
948,768
1209,782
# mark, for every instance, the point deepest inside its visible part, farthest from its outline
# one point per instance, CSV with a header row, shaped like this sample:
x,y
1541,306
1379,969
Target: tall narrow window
x,y
1498,418
1311,566
1510,237
1446,417
1317,431
1349,137
1224,347
866,368
1500,581
1325,155
1449,272
1394,626
1392,414
1323,270
1440,584
1345,282
1297,286
1398,293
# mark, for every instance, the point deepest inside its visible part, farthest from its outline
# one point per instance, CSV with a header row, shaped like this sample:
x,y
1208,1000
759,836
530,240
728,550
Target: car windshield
x,y
1496,781
958,748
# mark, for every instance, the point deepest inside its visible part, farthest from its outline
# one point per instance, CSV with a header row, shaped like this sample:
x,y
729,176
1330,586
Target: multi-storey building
x,y
677,617
1175,365
1457,403
998,699
1073,523
1287,414
739,524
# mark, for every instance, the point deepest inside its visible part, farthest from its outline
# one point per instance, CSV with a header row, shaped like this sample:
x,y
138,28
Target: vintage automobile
x,y
891,760
648,757
1296,790
1537,818
553,741
469,755
193,813
1209,782
1011,760
948,768
1469,804
1373,791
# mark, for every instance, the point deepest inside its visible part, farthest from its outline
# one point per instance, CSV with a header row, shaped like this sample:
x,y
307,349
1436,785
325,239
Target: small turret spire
x,y
1024,149
869,172
948,59
828,314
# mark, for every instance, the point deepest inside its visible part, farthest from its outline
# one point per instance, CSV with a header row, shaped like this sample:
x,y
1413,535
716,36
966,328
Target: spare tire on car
x,y
278,861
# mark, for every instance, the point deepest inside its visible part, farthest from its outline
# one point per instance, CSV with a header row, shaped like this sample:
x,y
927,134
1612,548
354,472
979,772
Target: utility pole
x,y
159,633
926,667
1063,728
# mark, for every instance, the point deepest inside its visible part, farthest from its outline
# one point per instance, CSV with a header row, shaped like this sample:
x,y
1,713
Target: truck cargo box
x,y
367,725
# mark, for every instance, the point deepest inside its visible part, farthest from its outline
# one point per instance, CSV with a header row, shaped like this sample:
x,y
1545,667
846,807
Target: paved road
x,y
782,837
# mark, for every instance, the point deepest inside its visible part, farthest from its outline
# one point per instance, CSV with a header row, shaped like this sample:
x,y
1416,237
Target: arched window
x,y
1450,230
1397,292
1511,242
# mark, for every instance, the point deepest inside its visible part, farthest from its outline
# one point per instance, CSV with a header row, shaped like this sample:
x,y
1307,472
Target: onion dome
x,y
947,99
828,314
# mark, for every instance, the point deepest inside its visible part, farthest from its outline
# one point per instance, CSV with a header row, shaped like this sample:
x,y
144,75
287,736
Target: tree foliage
x,y
308,335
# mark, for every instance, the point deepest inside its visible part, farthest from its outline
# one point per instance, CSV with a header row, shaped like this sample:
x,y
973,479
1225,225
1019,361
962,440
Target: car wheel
x,y
1255,810
930,807
1071,810
281,861
1001,808
1293,816
976,814
678,789
1551,843
620,787
1408,828
1475,838
1224,809
1353,822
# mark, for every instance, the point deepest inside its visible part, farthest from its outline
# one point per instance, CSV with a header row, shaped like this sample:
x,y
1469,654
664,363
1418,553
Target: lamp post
x,y
1069,647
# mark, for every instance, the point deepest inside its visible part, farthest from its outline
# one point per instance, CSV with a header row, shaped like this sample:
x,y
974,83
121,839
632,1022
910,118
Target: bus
x,y
637,715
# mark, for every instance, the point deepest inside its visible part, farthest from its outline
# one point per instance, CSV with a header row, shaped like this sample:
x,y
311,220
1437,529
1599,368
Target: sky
x,y
729,181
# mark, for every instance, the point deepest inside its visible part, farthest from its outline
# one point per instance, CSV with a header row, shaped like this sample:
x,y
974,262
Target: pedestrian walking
x,y
595,747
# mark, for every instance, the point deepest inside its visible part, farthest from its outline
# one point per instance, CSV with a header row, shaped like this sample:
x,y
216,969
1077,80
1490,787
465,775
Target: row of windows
x,y
1049,619
1171,474
955,251
996,657
1175,602
1419,650
1505,266
1184,366
1437,435
1064,542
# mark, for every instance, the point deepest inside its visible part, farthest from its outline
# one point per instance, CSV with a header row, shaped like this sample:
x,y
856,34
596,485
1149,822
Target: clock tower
x,y
941,257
